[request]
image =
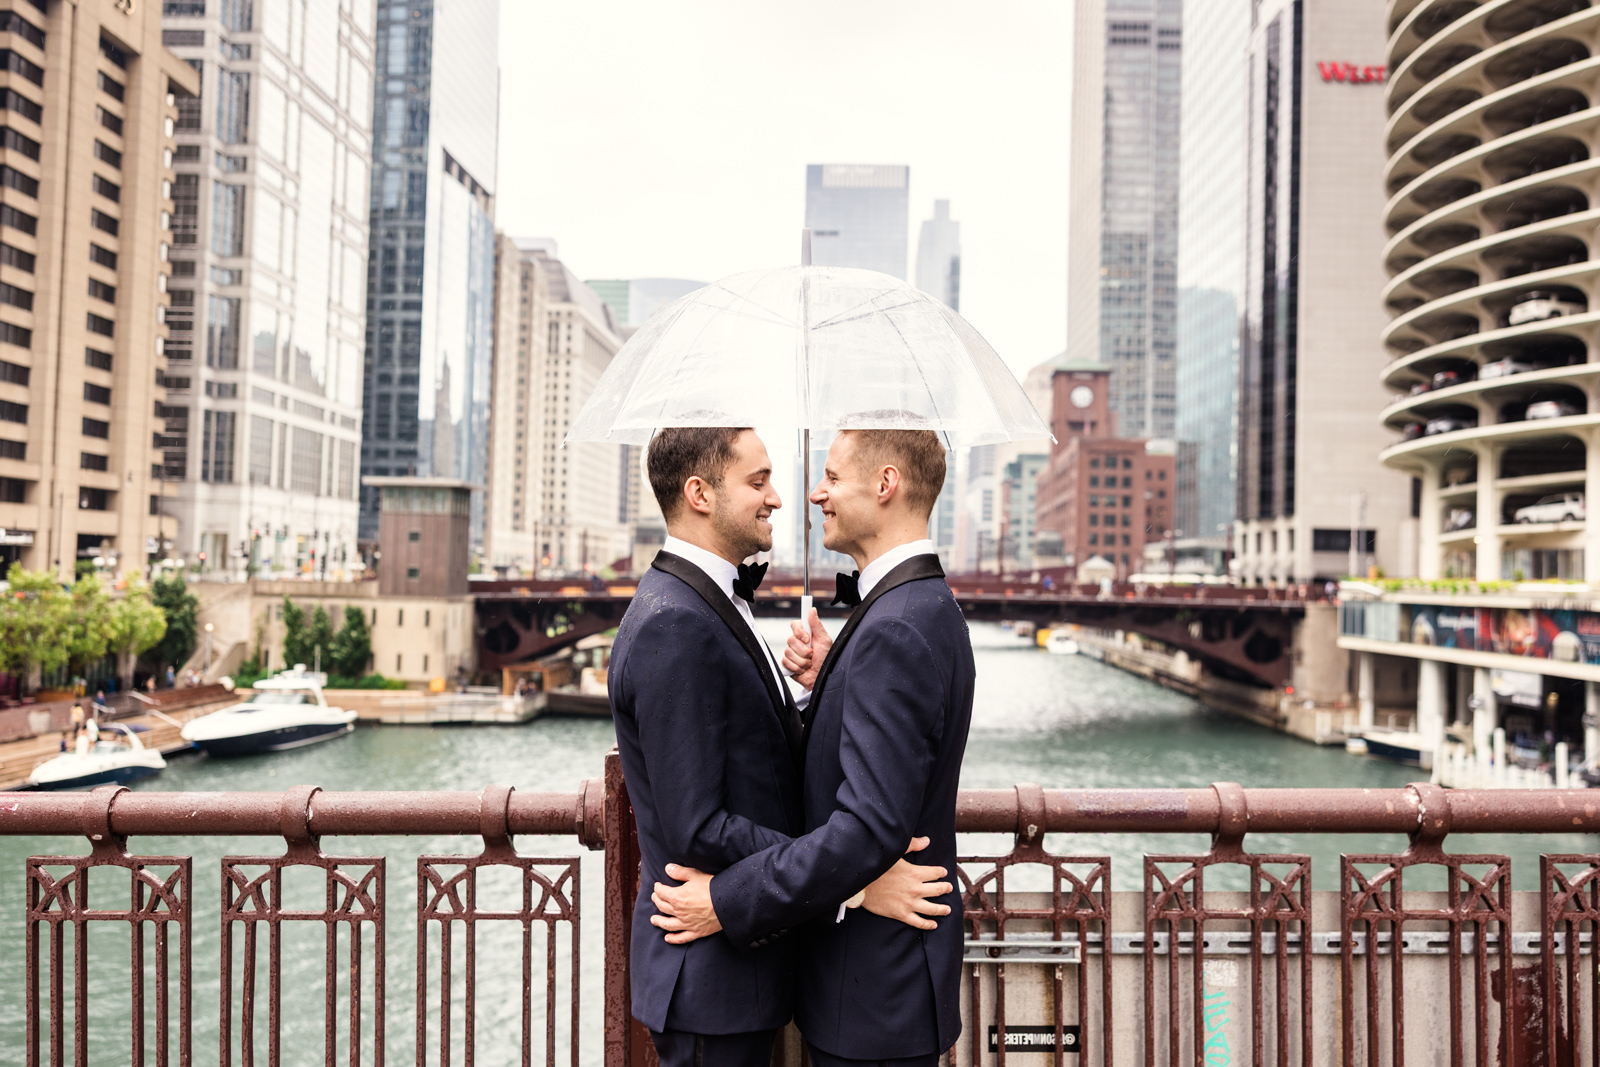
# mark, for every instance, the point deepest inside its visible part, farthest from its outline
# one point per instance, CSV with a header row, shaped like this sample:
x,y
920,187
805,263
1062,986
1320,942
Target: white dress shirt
x,y
889,561
723,574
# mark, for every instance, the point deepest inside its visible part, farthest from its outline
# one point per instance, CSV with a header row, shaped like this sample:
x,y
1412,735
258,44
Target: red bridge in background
x,y
1246,634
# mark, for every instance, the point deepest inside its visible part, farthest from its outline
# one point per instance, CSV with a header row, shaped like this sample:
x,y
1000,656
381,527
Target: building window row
x,y
19,142
216,446
19,64
13,22
12,178
11,100
108,85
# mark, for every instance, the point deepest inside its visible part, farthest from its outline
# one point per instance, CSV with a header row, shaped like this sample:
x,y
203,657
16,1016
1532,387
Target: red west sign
x,y
1349,72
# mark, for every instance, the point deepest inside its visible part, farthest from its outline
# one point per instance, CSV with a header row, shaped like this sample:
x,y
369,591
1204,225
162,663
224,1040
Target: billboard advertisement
x,y
1562,635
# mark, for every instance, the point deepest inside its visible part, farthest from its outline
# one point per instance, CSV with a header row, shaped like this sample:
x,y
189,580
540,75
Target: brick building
x,y
1104,495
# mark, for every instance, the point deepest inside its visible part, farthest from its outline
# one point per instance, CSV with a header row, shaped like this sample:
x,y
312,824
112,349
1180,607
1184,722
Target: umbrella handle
x,y
805,609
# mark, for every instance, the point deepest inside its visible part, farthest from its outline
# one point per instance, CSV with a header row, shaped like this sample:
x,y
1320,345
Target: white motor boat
x,y
106,760
1060,643
1402,746
284,711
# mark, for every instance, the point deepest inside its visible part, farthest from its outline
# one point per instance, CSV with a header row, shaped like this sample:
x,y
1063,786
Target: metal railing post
x,y
627,1043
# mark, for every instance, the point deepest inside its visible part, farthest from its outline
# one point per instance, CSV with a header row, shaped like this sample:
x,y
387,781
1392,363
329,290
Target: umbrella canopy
x,y
809,348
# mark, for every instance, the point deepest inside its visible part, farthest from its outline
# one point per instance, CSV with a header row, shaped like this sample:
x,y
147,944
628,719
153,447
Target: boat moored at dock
x,y
283,712
105,759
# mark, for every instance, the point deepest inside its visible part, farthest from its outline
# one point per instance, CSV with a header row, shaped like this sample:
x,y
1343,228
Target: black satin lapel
x,y
914,569
701,583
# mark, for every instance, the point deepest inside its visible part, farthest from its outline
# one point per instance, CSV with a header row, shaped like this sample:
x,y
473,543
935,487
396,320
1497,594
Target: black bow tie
x,y
846,589
749,580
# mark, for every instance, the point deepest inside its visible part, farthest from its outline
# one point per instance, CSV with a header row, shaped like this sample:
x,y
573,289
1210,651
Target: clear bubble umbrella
x,y
810,349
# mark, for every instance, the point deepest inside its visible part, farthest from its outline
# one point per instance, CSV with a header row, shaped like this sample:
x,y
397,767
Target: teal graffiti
x,y
1215,1012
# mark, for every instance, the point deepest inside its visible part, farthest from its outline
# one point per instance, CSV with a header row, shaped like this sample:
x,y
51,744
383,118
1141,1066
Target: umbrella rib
x,y
917,363
773,314
680,372
627,395
840,319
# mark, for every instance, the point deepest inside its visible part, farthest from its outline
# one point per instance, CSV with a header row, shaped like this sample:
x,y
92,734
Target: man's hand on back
x,y
905,892
686,911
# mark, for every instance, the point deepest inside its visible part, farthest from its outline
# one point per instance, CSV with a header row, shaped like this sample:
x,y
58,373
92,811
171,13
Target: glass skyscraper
x,y
939,256
430,295
939,274
634,300
1122,260
858,215
1211,256
268,285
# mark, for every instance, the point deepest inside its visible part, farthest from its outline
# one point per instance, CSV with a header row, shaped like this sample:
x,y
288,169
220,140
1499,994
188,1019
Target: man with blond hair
x,y
884,733
710,740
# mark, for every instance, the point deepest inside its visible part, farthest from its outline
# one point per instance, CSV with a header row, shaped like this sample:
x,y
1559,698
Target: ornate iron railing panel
x,y
160,889
448,895
1278,911
253,896
1076,913
1383,971
1476,915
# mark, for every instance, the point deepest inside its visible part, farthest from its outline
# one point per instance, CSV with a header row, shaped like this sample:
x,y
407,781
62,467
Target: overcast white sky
x,y
664,138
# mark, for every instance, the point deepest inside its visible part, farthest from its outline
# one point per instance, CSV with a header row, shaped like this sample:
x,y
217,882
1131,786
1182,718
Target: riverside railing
x,y
1056,964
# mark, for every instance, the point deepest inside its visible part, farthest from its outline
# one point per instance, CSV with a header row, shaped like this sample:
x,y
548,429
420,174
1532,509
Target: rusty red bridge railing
x,y
1374,971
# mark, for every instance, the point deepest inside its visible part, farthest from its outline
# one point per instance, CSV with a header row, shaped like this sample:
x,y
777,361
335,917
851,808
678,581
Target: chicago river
x,y
1059,721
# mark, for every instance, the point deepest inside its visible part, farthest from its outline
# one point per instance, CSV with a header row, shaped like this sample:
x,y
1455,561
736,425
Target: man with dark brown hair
x,y
884,731
710,739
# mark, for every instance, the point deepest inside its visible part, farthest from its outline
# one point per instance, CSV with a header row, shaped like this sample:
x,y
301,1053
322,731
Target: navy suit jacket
x,y
885,733
710,746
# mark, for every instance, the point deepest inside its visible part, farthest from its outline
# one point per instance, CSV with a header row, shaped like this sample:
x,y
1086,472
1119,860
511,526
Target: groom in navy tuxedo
x,y
884,732
711,741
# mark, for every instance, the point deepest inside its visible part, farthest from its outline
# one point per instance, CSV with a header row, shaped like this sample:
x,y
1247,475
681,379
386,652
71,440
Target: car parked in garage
x,y
1558,507
1503,368
1534,306
1553,409
1447,424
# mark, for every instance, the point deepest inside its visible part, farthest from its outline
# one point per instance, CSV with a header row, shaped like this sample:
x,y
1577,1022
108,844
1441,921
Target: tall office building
x,y
91,96
1314,246
1122,301
430,298
634,300
858,215
939,275
939,256
521,328
1211,215
588,492
269,283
